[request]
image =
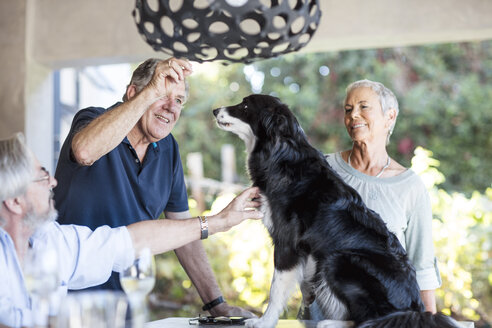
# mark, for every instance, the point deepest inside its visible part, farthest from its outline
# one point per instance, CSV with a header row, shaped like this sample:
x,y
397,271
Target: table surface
x,y
184,323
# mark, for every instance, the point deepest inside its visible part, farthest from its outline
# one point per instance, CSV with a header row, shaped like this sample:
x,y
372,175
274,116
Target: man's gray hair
x,y
387,98
16,167
143,74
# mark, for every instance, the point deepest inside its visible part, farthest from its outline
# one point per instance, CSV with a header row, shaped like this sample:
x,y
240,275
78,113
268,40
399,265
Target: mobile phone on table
x,y
221,320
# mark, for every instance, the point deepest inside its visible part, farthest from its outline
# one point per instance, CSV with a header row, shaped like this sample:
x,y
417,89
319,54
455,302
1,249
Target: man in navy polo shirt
x,y
121,165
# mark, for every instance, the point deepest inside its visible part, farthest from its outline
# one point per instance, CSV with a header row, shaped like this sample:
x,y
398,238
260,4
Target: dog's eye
x,y
245,107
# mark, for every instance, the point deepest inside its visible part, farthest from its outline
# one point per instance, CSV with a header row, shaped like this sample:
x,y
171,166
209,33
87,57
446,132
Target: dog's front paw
x,y
259,323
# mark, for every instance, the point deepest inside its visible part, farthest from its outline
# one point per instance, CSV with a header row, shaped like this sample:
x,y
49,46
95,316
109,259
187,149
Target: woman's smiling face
x,y
364,118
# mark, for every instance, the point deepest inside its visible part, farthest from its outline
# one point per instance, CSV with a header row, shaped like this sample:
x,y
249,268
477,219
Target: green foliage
x,y
462,232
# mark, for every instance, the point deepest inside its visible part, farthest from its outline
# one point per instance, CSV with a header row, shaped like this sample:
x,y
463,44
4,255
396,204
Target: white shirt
x,y
404,205
86,258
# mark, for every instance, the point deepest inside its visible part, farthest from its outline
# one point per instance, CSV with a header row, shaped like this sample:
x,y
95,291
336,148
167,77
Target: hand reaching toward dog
x,y
164,235
241,208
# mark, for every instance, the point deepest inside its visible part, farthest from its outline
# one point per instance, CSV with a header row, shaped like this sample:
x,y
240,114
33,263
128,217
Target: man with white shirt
x,y
27,219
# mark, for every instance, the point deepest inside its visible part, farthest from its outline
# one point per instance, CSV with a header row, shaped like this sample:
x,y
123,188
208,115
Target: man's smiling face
x,y
162,115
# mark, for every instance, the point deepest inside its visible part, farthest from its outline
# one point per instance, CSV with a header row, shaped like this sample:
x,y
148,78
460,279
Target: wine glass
x,y
41,277
137,281
93,309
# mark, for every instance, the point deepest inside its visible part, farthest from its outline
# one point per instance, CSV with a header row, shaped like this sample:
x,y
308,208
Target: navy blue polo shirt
x,y
117,189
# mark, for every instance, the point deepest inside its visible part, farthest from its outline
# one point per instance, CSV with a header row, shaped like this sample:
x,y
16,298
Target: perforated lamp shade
x,y
227,30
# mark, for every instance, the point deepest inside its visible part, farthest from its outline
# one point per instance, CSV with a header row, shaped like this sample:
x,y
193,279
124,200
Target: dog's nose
x,y
216,111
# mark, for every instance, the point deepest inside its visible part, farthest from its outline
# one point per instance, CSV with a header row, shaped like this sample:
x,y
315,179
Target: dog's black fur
x,y
359,270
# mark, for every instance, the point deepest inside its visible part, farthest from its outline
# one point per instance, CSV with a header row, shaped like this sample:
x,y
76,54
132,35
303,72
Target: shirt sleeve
x,y
88,257
418,238
81,119
13,316
15,305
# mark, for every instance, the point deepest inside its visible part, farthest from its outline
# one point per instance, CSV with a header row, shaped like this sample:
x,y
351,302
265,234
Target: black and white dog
x,y
325,238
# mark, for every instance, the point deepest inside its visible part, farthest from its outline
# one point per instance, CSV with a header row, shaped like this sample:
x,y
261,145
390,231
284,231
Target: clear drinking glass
x,y
93,309
40,269
137,281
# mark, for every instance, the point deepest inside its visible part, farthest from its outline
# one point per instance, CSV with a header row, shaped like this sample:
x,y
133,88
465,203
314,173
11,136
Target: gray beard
x,y
35,221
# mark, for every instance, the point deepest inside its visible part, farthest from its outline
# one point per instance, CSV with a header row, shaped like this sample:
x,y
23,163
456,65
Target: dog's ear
x,y
280,122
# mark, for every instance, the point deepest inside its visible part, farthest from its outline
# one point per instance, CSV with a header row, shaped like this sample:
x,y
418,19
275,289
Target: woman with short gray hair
x,y
386,97
395,192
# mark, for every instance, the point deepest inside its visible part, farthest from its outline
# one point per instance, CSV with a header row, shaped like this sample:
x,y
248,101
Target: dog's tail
x,y
411,319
